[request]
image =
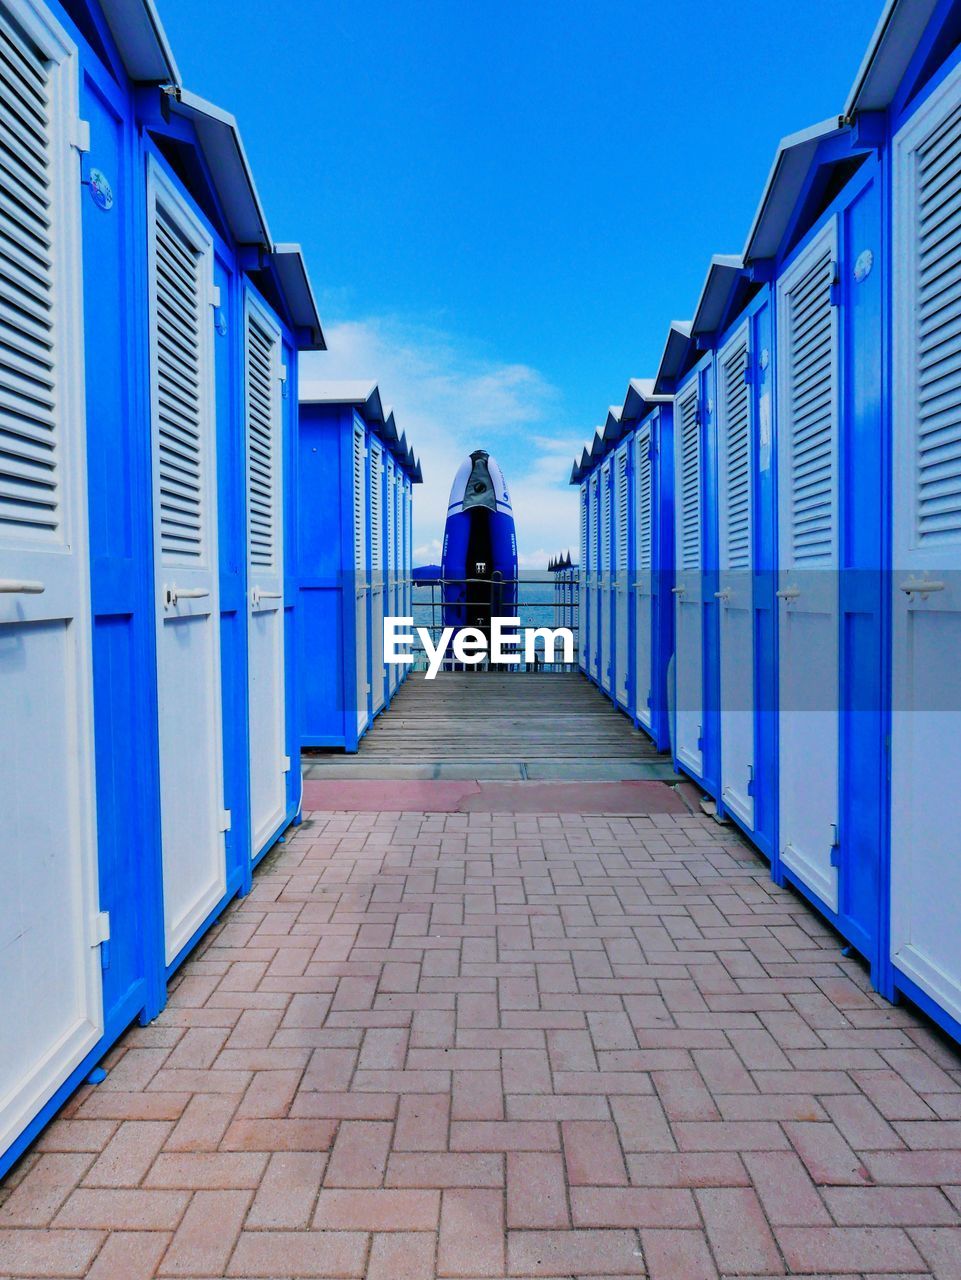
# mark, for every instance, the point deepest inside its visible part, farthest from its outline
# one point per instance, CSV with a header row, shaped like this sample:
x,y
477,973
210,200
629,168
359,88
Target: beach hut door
x,y
265,575
808,676
735,594
50,998
193,820
689,666
643,578
926,586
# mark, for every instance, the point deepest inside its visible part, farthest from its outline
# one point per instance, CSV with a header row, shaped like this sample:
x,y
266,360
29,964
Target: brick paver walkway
x,y
474,1045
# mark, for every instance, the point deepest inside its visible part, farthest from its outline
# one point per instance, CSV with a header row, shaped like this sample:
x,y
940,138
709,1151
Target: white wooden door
x,y
50,979
643,576
377,589
604,591
593,580
926,728
361,580
622,515
193,821
689,642
736,593
265,575
808,674
390,607
582,589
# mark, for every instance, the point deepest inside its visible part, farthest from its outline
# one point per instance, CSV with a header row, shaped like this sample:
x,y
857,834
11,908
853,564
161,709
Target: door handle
x,y
256,595
921,586
724,595
173,594
789,593
21,587
678,591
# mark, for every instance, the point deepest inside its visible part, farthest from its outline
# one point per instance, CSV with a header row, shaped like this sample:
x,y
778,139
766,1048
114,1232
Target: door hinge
x,y
700,737
282,373
285,763
835,290
101,937
835,846
224,824
750,779
215,295
748,375
81,136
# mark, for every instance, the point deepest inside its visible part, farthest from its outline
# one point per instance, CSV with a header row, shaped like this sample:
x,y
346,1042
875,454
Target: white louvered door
x,y
736,593
390,608
926,729
621,572
808,675
594,577
689,642
377,666
604,592
581,616
643,576
361,579
193,822
50,978
264,374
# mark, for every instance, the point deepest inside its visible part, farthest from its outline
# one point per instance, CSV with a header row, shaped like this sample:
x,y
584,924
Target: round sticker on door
x,y
100,189
862,268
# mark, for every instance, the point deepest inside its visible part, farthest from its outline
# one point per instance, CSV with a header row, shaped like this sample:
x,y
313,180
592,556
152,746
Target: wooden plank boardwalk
x,y
498,725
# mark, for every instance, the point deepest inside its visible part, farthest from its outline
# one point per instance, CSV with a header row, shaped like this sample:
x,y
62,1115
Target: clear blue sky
x,y
504,205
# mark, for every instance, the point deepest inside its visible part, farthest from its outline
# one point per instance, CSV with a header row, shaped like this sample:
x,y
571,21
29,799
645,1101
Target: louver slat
x,y
583,530
736,403
178,344
690,483
938,335
810,412
29,459
360,541
263,429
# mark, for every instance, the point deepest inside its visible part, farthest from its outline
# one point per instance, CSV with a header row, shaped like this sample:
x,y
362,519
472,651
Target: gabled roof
x,y
141,41
888,55
640,400
291,270
716,295
390,427
672,360
792,164
613,430
229,167
363,396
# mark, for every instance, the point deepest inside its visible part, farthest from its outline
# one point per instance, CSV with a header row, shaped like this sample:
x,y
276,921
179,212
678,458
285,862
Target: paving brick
x,y
536,1190
288,1190
129,1154
508,1135
35,1252
205,1238
377,1210
785,1189
471,1240
848,1249
445,1169
123,1209
299,1254
402,1255
43,1190
279,1135
633,1207
593,1153
677,1255
737,1229
132,1255
582,1253
203,1123
360,1153
422,1122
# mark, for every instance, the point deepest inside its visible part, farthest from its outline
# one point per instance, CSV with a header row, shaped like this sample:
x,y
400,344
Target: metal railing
x,y
538,600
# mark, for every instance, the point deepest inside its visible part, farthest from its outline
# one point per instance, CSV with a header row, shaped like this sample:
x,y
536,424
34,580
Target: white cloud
x,y
450,400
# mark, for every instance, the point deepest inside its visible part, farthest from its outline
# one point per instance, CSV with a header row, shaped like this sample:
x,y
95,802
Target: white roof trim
x,y
224,152
675,348
719,285
896,37
141,41
792,162
364,396
288,262
640,400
